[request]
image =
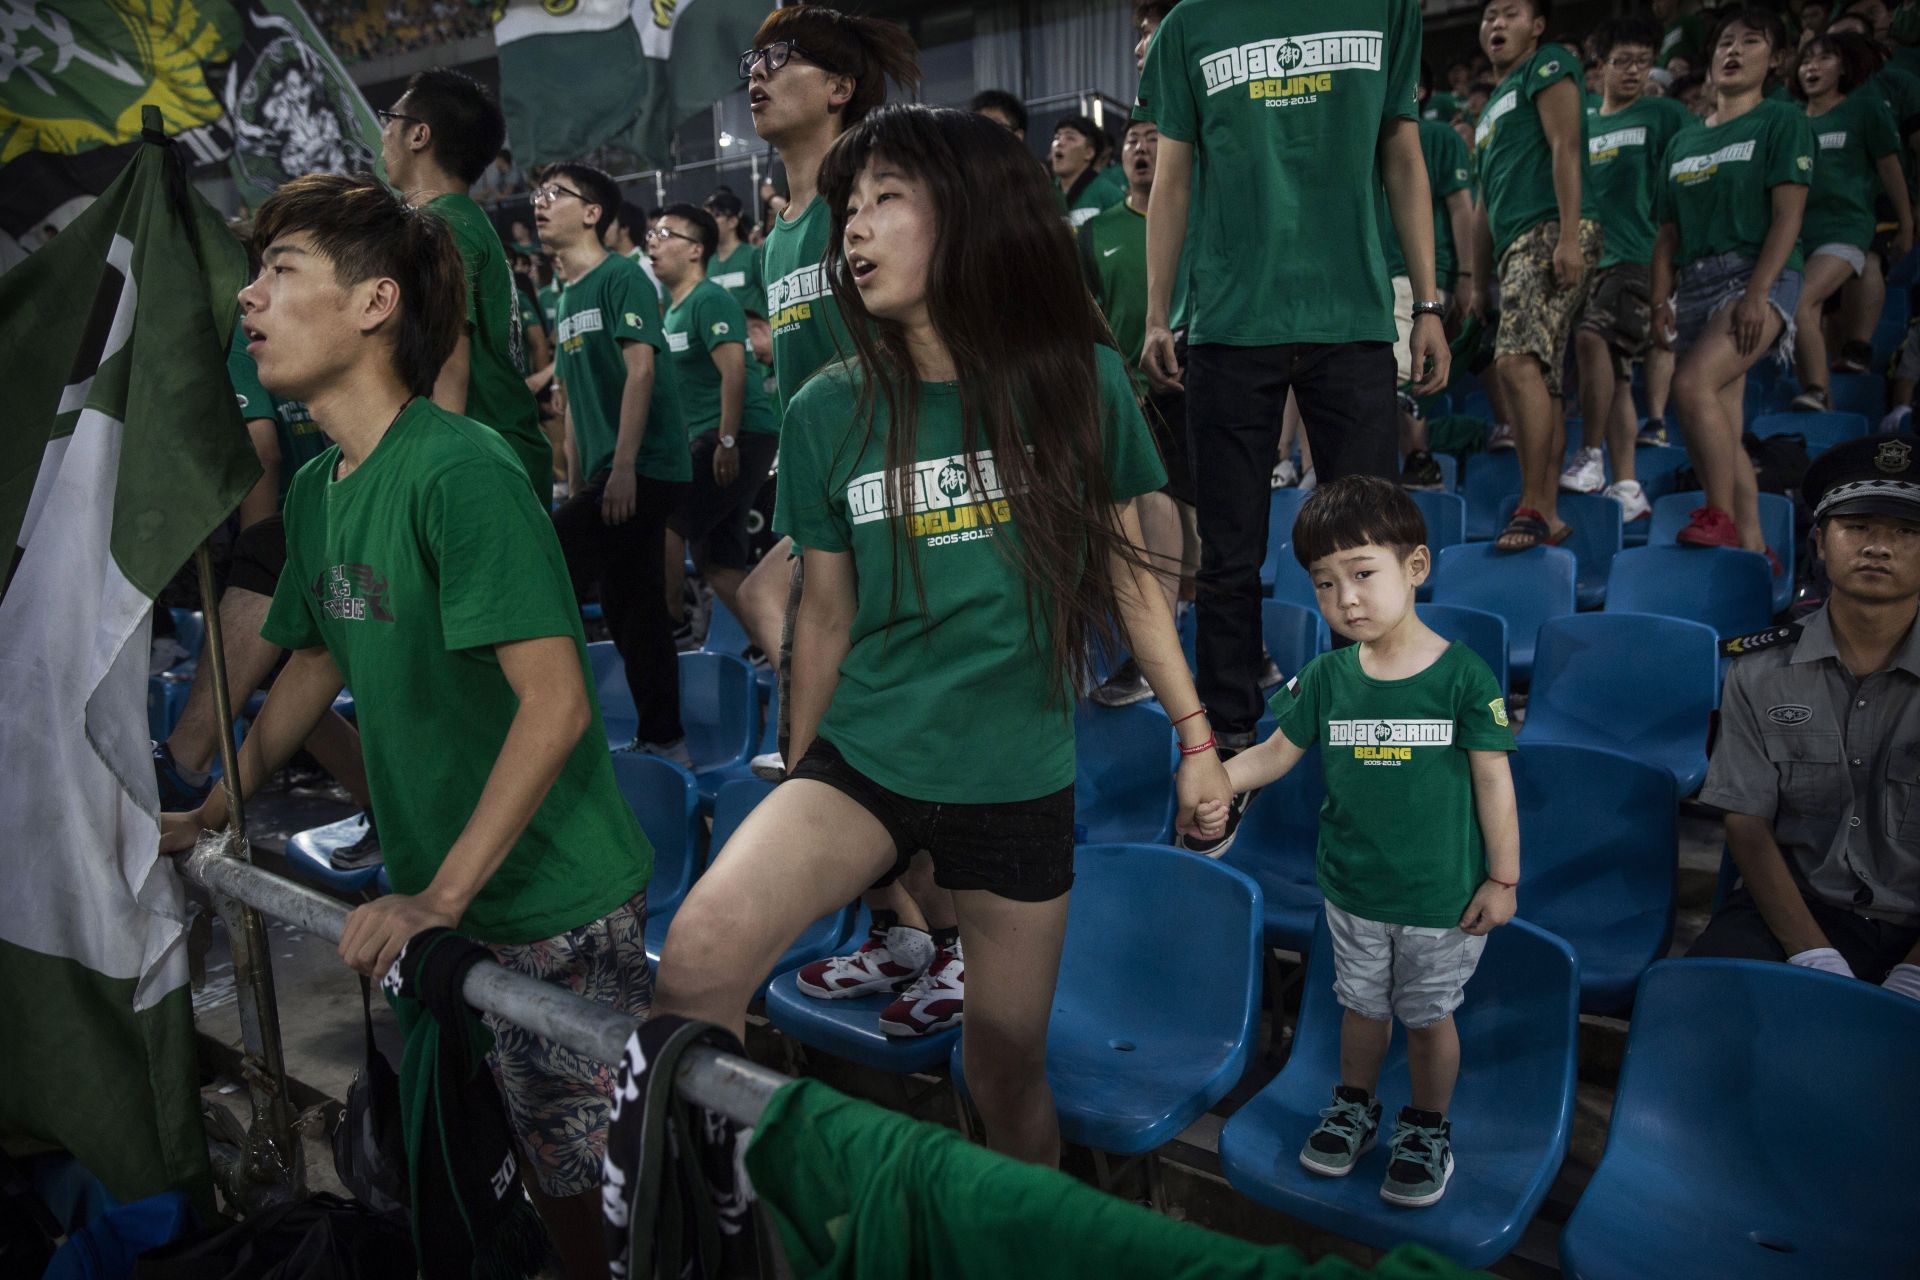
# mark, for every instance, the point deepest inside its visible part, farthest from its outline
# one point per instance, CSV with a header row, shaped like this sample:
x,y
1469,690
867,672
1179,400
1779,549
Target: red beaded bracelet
x,y
1199,748
1190,715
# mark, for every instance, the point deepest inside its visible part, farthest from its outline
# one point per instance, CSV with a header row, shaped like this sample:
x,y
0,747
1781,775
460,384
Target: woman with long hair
x,y
963,485
1730,210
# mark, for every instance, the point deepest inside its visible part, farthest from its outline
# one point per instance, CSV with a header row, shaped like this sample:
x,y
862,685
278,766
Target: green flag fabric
x,y
291,105
123,450
620,73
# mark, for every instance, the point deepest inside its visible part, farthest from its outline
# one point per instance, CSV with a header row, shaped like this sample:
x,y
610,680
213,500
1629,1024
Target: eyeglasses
x,y
553,191
1630,63
388,117
661,233
777,55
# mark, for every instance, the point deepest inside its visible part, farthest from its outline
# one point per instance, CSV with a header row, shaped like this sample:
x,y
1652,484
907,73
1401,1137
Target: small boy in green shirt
x,y
1419,850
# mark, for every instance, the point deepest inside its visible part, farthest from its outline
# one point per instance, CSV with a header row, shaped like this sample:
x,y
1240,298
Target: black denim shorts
x,y
1022,850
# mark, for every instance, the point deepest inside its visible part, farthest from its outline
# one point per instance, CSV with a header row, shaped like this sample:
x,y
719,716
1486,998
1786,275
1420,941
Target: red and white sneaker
x,y
933,1003
1709,527
889,960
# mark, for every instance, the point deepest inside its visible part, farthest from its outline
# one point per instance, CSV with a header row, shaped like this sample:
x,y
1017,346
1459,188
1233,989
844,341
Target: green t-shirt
x,y
1284,106
497,357
739,274
1718,178
1109,187
531,318
410,571
549,299
1901,89
1850,138
1399,839
971,666
1684,37
1113,255
297,434
1624,155
614,304
1447,172
706,319
1515,159
807,329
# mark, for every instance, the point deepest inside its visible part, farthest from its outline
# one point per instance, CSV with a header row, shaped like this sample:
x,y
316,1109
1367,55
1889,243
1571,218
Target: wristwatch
x,y
1430,309
727,442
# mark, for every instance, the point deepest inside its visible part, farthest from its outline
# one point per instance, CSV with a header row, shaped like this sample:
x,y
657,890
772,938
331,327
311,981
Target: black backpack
x,y
369,1143
321,1238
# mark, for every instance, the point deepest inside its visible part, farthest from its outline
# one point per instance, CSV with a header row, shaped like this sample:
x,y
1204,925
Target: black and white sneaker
x,y
1220,844
1123,688
1421,472
362,853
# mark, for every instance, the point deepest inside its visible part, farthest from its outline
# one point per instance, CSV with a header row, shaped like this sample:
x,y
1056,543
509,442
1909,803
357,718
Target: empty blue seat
x,y
665,800
1672,511
310,857
1491,479
1484,633
1123,777
1600,843
1277,845
1135,1056
717,780
1598,534
1654,466
725,633
617,714
1290,580
1861,393
1822,430
1446,517
1586,664
1729,590
1524,587
720,711
166,699
1763,1128
1282,509
1295,635
1512,1111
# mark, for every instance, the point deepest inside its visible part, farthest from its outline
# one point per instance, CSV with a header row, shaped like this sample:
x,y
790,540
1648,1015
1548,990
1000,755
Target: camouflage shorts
x,y
1536,314
1619,310
557,1101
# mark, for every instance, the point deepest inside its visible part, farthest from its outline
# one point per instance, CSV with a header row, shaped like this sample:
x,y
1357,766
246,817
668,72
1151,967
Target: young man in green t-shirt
x,y
1419,852
442,133
1534,245
1292,117
1627,143
1079,145
420,567
627,465
734,432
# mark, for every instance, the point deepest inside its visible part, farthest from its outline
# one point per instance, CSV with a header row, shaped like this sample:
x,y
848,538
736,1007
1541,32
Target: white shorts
x,y
1851,254
1403,327
1396,970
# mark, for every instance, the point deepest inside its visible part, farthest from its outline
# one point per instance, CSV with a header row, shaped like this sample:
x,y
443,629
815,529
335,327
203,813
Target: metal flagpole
x,y
271,1168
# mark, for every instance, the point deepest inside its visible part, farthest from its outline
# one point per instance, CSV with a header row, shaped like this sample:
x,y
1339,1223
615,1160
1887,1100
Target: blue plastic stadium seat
x,y
166,699
1135,1056
1671,512
726,634
1861,393
1295,635
665,800
309,855
1600,841
1822,430
1123,780
1445,515
1290,580
719,710
1484,633
1655,466
1491,478
1282,509
617,714
1598,534
190,632
1729,590
1762,1129
850,1028
1475,404
1586,665
1524,587
1277,845
1512,1112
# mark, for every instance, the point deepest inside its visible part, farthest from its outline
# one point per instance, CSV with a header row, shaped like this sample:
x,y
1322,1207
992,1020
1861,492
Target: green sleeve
x,y
500,571
244,376
1403,63
1663,189
718,319
472,258
1480,718
1454,173
1166,93
805,506
1789,150
291,621
1550,66
1882,135
636,309
1296,705
1089,266
1132,459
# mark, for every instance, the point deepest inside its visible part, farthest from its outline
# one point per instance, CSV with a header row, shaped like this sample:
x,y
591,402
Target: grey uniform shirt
x,y
1833,761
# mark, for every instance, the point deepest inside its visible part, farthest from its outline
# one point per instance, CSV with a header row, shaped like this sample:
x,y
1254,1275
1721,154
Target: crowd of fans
x,y
926,341
361,29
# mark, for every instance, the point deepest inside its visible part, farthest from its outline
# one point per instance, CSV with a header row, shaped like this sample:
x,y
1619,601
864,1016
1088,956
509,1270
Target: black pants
x,y
1235,398
627,562
1870,947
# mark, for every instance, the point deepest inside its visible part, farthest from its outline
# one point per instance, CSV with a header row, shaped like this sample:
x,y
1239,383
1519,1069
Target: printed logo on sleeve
x,y
1288,70
1499,708
720,329
633,320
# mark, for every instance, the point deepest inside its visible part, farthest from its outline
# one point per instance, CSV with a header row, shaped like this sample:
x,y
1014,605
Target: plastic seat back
x,y
1861,393
1729,590
719,709
725,633
1295,635
1601,840
1823,430
1654,466
665,799
1524,587
1446,517
1491,479
1598,534
1123,776
1670,515
1277,844
1484,633
1290,580
618,715
1762,1128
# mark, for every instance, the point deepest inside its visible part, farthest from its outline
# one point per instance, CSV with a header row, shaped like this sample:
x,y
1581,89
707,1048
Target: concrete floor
x,y
321,1029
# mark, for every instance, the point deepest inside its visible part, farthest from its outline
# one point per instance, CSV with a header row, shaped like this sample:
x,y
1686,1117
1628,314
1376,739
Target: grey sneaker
x,y
1347,1131
1422,1164
1123,688
768,767
675,751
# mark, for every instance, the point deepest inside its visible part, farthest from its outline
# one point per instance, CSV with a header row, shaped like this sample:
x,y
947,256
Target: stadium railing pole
x,y
731,1085
272,1167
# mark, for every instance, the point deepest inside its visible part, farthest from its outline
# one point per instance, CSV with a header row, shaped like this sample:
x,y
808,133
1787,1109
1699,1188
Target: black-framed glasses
x,y
662,233
777,55
388,117
553,191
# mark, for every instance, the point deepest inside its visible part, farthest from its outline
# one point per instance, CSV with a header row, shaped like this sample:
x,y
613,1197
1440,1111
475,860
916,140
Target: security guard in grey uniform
x,y
1817,763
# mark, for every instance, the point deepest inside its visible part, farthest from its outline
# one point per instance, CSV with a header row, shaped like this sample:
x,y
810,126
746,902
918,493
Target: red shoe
x,y
890,960
935,1002
1773,562
1709,527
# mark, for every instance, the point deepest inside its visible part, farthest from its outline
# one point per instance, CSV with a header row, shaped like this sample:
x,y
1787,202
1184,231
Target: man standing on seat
x,y
1293,118
1817,764
436,142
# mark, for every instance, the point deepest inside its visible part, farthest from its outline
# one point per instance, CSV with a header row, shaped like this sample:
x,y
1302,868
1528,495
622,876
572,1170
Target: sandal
x,y
1555,539
1525,530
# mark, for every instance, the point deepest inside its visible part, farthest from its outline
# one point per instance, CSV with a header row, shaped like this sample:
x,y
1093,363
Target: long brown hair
x,y
1006,295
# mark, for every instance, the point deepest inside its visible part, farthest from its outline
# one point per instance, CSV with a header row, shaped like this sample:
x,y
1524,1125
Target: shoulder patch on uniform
x,y
1549,68
1790,714
633,320
1771,638
1499,708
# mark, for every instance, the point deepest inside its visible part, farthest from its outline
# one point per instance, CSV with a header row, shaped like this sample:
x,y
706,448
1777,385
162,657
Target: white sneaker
x,y
1632,498
769,767
1286,474
675,751
890,960
1499,436
1587,473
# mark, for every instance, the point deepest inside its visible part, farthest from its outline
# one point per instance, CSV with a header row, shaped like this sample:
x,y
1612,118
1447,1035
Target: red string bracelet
x,y
1190,715
1199,748
1503,884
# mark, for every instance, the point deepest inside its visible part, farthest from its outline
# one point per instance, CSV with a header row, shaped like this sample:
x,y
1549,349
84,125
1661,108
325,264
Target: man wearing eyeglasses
x,y
435,143
627,461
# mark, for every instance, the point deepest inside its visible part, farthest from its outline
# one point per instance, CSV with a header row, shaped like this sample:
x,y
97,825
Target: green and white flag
x,y
581,74
123,450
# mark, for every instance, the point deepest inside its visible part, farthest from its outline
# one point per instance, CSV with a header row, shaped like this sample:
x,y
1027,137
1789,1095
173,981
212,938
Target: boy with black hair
x,y
723,401
435,142
1627,143
1003,108
420,567
1080,147
629,463
1419,853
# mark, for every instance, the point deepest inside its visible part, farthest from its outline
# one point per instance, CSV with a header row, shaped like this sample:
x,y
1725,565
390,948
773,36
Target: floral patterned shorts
x,y
557,1101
